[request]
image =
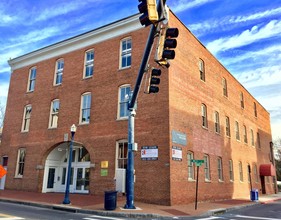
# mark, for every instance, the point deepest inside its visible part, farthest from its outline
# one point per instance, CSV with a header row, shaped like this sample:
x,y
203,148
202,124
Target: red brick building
x,y
201,112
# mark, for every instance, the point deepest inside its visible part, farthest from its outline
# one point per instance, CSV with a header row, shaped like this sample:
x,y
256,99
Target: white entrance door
x,y
121,165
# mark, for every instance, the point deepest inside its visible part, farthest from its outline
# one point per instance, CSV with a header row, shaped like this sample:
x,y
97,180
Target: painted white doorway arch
x,y
55,171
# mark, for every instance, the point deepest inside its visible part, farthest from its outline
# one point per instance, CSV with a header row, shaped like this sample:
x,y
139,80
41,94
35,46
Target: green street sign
x,y
198,163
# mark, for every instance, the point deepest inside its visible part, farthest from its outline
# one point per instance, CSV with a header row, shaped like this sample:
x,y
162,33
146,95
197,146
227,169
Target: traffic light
x,y
166,42
149,10
153,81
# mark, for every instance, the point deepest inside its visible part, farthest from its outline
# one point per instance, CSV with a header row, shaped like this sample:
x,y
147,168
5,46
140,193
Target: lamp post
x,y
66,195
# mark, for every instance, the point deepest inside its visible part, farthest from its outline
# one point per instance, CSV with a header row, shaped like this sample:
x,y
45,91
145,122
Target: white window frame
x,y
31,79
26,118
241,171
122,156
207,168
237,132
220,169
245,136
202,70
20,162
231,173
217,122
53,120
227,126
242,104
126,53
252,138
85,106
224,86
59,72
123,101
89,63
190,165
204,116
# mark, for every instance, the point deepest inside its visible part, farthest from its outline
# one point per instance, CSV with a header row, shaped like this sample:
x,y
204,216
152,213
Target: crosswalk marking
x,y
97,217
209,218
254,217
9,217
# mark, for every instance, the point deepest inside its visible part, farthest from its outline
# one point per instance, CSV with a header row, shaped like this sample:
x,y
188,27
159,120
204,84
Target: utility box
x,y
254,195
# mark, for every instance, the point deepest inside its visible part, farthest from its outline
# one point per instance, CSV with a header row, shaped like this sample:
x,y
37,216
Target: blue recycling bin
x,y
254,195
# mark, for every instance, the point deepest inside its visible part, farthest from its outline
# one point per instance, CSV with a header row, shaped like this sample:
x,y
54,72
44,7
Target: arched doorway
x,y
56,164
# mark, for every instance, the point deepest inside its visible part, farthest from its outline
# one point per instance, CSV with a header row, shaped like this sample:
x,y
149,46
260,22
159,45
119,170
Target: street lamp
x,y
66,195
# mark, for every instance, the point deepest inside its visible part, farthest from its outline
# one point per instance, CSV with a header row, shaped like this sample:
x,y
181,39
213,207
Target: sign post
x,y
198,163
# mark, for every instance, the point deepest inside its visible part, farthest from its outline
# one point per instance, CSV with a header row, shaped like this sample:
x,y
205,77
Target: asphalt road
x,y
11,211
270,211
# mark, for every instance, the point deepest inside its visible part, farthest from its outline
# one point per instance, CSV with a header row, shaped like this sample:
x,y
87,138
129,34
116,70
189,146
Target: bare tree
x,y
277,146
2,114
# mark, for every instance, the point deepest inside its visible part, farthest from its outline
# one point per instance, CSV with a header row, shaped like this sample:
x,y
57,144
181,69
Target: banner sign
x,y
179,138
177,153
149,153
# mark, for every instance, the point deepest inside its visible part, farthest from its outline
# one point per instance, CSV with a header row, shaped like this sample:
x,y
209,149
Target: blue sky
x,y
245,35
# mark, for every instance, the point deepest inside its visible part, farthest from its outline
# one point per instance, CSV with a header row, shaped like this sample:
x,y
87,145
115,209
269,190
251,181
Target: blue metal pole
x,y
130,185
131,122
66,195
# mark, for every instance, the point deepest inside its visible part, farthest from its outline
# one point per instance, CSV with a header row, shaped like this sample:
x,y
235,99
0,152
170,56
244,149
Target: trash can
x,y
110,200
254,195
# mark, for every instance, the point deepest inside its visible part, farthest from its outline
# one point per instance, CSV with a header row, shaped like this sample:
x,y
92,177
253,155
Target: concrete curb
x,y
134,214
67,208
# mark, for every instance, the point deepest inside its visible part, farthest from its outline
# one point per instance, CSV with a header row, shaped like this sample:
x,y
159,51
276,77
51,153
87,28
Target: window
x,y
59,71
249,172
255,110
20,162
89,64
54,115
126,53
190,165
252,138
124,92
231,177
227,126
217,122
26,118
85,108
245,135
204,116
32,79
258,140
256,174
241,100
207,168
240,171
237,133
122,154
220,171
224,87
202,69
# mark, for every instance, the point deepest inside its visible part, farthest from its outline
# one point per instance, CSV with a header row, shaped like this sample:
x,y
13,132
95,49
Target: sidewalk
x,y
95,204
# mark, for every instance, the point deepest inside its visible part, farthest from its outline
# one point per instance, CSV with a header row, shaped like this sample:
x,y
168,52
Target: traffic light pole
x,y
130,172
131,123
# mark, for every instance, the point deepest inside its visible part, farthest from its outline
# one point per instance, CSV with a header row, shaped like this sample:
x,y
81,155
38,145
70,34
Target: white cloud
x,y
257,15
228,22
268,53
4,90
182,5
267,75
272,29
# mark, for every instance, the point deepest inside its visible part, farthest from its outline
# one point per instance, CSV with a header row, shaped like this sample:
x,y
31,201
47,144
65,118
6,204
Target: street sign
x,y
3,172
198,163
